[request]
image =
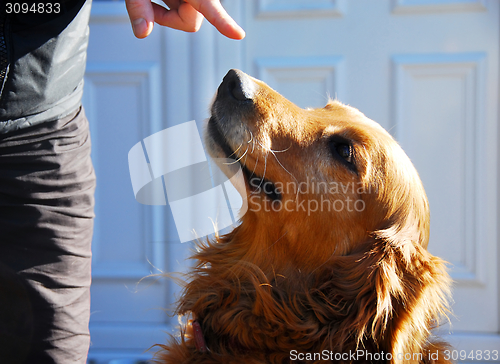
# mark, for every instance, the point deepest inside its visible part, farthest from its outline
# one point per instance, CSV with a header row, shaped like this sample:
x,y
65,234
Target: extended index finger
x,y
213,11
141,16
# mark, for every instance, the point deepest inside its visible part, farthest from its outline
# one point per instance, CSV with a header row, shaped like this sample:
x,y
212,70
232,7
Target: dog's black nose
x,y
239,85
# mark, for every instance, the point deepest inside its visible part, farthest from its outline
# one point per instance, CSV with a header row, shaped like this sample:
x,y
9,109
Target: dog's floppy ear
x,y
412,286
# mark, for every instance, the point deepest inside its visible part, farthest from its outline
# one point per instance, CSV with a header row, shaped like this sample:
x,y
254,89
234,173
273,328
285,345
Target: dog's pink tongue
x,y
199,340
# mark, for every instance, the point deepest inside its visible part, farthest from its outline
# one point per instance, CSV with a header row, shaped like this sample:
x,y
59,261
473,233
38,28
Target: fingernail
x,y
243,33
139,27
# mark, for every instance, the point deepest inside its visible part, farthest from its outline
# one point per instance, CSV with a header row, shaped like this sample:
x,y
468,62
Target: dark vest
x,y
42,62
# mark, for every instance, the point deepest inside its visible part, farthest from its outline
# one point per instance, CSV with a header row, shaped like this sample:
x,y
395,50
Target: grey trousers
x,y
47,187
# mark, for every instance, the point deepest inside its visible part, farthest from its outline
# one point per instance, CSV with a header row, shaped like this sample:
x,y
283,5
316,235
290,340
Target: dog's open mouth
x,y
255,183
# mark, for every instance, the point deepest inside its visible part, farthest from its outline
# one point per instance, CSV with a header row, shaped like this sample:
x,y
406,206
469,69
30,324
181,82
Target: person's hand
x,y
183,15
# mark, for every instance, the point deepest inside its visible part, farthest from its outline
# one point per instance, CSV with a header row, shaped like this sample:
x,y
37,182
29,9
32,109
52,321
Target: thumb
x,y
141,16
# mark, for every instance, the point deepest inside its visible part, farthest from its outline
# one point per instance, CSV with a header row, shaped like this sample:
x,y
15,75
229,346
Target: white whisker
x,y
242,155
282,166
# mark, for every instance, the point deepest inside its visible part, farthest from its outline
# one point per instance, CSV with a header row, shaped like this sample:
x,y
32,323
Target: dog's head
x,y
319,181
330,254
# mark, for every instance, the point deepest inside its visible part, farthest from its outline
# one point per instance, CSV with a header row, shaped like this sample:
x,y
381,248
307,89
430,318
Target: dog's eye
x,y
345,151
342,149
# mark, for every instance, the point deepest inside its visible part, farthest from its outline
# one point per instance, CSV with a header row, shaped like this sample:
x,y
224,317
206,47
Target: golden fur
x,y
295,279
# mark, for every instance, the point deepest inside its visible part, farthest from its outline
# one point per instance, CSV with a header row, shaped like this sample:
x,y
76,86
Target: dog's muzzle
x,y
233,104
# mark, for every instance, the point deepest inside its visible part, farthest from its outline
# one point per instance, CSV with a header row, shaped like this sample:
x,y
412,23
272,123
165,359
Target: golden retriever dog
x,y
329,263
